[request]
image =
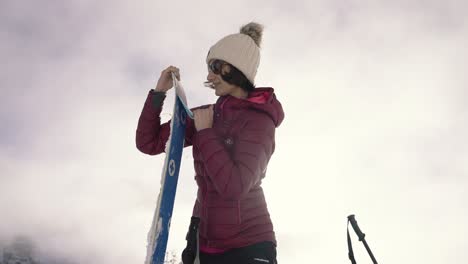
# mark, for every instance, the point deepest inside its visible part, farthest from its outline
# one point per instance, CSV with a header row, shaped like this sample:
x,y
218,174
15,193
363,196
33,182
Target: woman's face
x,y
221,87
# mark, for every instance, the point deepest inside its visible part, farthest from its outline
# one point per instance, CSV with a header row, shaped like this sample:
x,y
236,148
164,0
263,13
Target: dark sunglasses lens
x,y
215,66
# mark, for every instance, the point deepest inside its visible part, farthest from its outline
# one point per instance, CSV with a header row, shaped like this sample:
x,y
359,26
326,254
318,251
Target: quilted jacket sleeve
x,y
238,164
151,135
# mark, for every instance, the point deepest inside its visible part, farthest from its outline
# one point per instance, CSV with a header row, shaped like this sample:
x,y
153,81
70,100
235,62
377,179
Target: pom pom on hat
x,y
253,30
242,50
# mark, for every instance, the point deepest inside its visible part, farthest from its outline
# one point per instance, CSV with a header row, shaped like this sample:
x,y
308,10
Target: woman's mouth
x,y
210,85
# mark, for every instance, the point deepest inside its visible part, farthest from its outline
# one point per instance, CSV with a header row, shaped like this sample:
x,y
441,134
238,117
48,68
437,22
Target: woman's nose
x,y
210,76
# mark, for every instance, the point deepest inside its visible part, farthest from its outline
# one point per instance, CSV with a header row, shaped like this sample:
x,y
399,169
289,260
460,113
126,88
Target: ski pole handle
x,y
356,228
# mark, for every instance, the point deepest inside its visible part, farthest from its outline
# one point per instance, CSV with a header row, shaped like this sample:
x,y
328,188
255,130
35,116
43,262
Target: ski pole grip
x,y
356,228
194,222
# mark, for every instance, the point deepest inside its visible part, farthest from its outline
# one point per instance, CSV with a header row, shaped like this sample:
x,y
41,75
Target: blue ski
x,y
159,233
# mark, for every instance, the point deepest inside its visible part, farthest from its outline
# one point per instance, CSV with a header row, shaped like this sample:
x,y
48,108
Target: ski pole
x,y
361,236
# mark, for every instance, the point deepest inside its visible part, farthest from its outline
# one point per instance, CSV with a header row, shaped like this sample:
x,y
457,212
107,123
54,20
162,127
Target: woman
x,y
232,141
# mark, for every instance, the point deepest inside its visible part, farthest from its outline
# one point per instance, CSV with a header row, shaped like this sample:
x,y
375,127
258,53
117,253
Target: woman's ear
x,y
226,68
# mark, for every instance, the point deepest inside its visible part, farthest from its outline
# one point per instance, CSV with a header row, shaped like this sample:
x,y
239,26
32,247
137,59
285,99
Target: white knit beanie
x,y
242,50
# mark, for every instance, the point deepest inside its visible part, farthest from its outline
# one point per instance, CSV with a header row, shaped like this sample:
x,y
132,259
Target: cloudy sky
x,y
376,103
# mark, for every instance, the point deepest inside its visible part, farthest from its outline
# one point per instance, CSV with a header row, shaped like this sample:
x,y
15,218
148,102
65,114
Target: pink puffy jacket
x,y
230,162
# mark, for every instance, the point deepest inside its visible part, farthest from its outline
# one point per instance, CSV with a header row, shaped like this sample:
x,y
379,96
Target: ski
x,y
159,232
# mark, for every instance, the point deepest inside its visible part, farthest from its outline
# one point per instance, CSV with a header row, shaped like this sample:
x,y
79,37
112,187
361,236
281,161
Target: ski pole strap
x,y
197,250
350,247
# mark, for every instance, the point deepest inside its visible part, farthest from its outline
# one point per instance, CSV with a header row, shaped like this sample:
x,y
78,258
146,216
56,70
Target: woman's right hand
x,y
165,80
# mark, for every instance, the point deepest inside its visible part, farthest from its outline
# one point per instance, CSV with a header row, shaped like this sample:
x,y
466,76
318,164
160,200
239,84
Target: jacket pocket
x,y
223,222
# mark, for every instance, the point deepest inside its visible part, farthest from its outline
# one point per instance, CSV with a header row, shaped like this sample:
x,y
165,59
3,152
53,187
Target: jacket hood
x,y
261,99
264,100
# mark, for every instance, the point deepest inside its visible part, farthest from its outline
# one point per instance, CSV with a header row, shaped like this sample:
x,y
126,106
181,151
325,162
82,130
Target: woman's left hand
x,y
203,118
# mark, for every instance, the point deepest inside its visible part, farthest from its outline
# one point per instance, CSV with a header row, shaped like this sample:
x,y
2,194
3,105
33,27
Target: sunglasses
x,y
215,66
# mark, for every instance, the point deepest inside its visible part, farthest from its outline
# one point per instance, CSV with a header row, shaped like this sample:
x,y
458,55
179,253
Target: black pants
x,y
261,253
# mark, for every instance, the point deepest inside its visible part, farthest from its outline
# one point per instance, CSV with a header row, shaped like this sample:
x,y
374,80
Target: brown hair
x,y
236,77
